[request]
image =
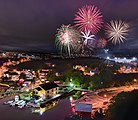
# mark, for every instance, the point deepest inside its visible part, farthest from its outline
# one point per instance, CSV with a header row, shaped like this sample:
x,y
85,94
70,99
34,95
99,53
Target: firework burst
x,y
117,31
89,40
101,43
89,18
67,38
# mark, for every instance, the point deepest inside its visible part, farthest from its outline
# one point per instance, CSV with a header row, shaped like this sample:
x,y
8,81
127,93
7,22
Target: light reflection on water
x,y
45,107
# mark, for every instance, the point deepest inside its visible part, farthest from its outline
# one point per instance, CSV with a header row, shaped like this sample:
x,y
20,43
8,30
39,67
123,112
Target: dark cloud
x,y
32,24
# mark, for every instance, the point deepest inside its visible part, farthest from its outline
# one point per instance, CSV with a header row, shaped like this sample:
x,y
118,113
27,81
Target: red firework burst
x,y
101,43
89,18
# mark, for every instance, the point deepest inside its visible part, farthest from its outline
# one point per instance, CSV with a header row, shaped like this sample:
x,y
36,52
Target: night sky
x,y
31,24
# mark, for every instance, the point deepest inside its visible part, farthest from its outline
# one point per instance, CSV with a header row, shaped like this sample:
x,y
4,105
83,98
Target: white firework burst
x,y
87,37
117,31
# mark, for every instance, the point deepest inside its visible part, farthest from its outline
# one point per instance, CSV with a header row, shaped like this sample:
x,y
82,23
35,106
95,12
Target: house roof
x,y
48,85
7,72
38,88
83,107
11,73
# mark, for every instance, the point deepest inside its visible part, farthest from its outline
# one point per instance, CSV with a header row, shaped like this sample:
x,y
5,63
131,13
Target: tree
x,y
95,82
77,79
98,116
78,94
4,79
124,106
51,76
90,86
73,76
22,76
106,76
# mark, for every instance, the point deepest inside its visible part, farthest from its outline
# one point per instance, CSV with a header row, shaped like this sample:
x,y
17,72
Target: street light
x,y
134,58
106,97
107,57
71,98
135,80
71,84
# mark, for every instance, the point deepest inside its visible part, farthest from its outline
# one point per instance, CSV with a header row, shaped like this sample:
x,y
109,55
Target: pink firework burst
x,y
89,18
101,43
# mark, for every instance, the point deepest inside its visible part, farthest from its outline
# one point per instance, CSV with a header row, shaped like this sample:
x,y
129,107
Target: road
x,y
97,99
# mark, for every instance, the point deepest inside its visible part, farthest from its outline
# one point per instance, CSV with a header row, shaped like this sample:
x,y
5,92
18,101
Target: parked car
x,y
8,102
104,103
30,104
22,105
18,103
13,103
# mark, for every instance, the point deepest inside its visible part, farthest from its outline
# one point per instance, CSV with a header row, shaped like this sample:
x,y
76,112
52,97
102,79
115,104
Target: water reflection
x,y
44,107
